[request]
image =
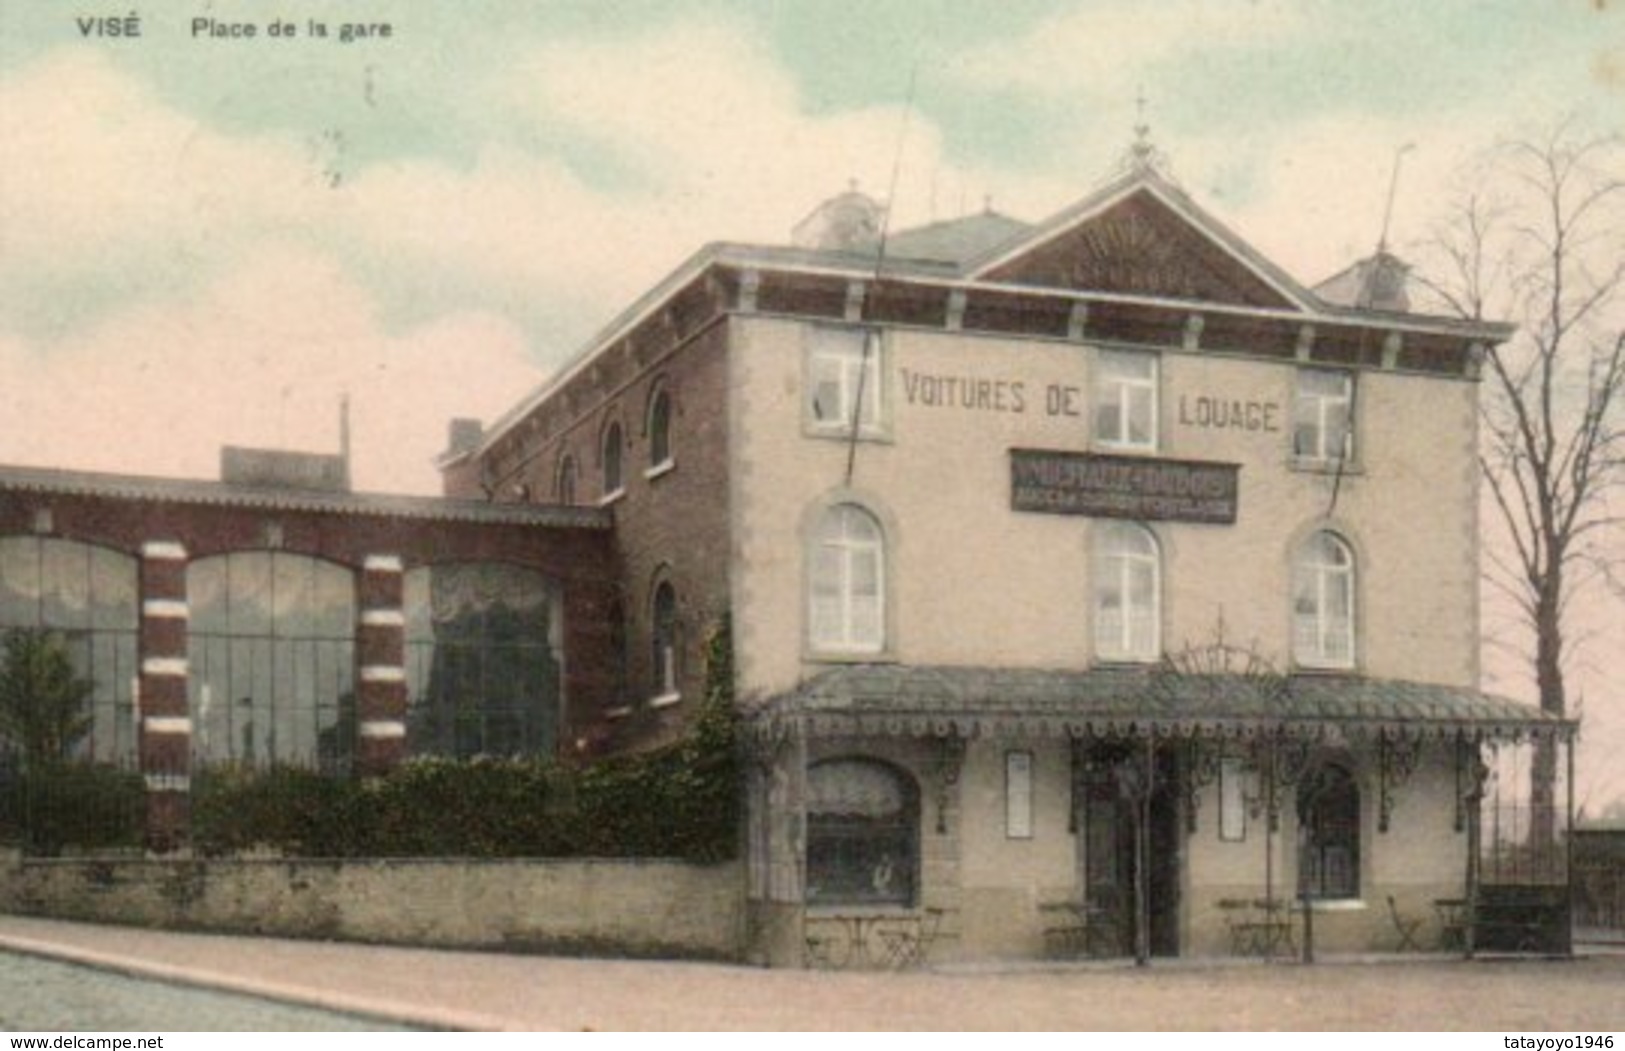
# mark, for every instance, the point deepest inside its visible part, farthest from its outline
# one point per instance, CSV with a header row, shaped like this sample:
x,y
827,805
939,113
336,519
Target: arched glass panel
x,y
483,660
88,597
1128,593
863,832
663,639
847,582
567,480
1323,603
613,481
271,652
660,430
1329,835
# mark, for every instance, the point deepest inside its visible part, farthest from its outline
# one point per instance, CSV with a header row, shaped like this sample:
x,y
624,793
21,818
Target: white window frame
x,y
845,535
848,358
615,492
1116,567
1322,637
1313,412
659,467
663,652
1126,380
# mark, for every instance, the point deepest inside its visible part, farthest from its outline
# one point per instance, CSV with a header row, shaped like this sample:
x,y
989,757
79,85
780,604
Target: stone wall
x,y
649,908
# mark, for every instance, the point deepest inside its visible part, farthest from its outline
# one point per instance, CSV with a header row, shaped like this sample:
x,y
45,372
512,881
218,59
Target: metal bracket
x,y
1397,761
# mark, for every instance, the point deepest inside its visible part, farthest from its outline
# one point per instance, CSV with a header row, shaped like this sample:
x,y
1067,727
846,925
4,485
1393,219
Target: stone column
x,y
166,725
381,667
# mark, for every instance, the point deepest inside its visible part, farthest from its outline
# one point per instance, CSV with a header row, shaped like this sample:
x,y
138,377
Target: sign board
x,y
1138,487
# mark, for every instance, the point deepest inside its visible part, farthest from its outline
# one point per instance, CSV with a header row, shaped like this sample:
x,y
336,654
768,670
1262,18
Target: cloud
x,y
259,357
1104,50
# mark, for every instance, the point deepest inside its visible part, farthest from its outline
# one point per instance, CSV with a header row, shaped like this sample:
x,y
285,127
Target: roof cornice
x,y
51,481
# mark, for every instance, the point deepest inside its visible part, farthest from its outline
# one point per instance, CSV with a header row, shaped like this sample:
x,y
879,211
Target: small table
x,y
842,939
1259,926
1067,926
1452,913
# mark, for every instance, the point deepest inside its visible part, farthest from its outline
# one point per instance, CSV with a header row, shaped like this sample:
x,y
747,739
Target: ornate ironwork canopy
x,y
1162,702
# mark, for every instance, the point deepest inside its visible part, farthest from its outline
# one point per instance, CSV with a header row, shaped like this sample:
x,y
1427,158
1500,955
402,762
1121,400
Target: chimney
x,y
464,436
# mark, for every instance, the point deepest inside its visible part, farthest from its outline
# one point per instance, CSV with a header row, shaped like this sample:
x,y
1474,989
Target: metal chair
x,y
909,945
1405,926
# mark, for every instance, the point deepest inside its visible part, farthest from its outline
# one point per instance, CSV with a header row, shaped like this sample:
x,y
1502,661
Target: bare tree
x,y
1539,239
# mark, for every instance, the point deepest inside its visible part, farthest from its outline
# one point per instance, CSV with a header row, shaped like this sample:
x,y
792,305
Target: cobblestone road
x,y
39,995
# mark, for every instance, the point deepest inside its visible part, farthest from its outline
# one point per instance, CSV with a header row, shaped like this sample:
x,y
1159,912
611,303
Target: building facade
x,y
1095,587
1090,580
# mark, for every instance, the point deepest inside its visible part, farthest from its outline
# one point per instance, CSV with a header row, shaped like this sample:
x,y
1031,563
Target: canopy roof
x,y
943,700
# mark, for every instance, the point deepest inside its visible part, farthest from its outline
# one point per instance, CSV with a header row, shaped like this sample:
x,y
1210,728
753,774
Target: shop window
x,y
1125,405
659,431
1329,835
612,453
1323,603
843,381
87,597
1323,417
567,479
271,649
483,660
863,831
663,642
1128,592
847,582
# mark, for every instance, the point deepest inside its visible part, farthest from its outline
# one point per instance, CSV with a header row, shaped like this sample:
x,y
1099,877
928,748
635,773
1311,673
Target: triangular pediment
x,y
1144,238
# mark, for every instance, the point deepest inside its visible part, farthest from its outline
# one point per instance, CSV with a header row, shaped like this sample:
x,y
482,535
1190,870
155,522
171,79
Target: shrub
x,y
678,801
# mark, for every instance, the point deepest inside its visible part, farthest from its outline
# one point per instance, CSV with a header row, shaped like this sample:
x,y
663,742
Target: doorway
x,y
1111,789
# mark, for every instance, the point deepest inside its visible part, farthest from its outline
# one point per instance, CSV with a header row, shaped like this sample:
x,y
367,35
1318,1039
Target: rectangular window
x,y
1232,801
1125,403
843,381
1323,416
1018,795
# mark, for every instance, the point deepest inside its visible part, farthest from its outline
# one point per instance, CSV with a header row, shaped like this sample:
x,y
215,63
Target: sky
x,y
208,239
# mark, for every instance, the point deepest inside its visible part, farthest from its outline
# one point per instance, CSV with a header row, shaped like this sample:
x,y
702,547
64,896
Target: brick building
x,y
1095,585
1091,581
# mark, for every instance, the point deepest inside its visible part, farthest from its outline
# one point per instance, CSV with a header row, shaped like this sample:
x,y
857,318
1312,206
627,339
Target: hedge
x,y
680,801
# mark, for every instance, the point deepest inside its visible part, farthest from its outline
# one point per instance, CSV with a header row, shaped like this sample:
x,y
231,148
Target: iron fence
x,y
72,806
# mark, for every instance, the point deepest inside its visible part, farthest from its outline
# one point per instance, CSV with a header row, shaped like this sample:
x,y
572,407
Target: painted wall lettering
x,y
963,392
1234,414
1063,401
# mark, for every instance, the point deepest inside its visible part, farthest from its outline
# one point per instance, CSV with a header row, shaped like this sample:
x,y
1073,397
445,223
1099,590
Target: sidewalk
x,y
495,991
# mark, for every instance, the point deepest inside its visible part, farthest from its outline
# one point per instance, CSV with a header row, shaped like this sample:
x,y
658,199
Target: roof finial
x,y
1142,152
1142,156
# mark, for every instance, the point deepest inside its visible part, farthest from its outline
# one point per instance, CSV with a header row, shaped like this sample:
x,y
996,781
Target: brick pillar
x,y
381,667
166,725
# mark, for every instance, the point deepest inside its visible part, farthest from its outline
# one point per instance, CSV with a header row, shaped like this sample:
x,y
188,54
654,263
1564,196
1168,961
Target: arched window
x,y
86,596
483,659
619,655
567,479
1323,603
1128,593
1329,834
612,450
863,834
659,429
847,582
271,648
663,641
